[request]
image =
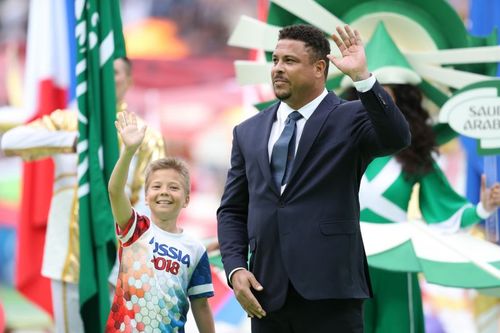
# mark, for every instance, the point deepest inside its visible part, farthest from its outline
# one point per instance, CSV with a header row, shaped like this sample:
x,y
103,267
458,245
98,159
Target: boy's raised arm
x,y
132,137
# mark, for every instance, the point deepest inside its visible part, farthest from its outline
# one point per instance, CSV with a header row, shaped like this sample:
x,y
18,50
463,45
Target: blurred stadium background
x,y
184,85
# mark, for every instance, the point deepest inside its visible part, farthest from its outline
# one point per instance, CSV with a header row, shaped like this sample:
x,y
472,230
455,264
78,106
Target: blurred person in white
x,y
56,136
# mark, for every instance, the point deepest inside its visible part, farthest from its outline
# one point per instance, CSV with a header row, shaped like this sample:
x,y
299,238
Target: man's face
x,y
293,73
123,79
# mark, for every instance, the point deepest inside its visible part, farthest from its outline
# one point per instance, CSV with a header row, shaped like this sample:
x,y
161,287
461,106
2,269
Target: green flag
x,y
99,41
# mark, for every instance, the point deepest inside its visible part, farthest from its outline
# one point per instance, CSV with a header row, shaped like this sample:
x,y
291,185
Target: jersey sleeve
x,y
441,205
136,226
200,284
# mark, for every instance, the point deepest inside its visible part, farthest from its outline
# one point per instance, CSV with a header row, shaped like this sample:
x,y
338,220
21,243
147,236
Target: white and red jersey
x,y
159,273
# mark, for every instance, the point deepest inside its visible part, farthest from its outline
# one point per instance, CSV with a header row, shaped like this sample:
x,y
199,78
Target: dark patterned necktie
x,y
284,151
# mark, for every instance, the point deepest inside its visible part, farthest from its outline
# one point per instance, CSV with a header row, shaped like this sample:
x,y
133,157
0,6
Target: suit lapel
x,y
269,116
311,130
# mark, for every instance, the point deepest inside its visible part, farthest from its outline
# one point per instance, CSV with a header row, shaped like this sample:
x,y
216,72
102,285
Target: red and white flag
x,y
47,80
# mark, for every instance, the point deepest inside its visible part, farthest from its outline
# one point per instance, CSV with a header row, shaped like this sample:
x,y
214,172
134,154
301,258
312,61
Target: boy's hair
x,y
166,163
313,38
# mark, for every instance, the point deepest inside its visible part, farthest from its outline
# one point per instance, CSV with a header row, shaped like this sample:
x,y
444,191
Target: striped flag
x,y
99,41
46,88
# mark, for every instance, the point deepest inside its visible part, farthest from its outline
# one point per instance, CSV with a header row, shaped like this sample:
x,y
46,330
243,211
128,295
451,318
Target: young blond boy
x,y
162,269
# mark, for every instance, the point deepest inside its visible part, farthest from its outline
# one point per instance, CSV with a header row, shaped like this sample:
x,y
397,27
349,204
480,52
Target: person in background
x,y
55,136
385,193
162,269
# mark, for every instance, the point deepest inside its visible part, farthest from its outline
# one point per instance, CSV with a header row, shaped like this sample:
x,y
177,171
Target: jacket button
x,y
281,204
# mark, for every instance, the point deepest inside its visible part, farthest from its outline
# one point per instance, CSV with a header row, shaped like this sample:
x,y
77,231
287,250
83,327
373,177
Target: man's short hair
x,y
173,163
313,38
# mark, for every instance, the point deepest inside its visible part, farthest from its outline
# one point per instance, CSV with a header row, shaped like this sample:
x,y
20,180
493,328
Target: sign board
x,y
474,111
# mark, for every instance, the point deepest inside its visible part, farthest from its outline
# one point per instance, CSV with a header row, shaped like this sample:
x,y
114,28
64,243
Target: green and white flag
x,y
99,41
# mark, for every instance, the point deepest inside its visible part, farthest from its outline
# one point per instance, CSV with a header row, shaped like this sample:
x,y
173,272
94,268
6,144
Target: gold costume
x,y
55,136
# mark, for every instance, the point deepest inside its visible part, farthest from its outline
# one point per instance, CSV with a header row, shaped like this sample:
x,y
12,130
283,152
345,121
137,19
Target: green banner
x,y
99,41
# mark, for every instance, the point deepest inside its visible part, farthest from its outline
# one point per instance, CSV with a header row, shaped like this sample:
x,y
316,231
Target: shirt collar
x,y
306,111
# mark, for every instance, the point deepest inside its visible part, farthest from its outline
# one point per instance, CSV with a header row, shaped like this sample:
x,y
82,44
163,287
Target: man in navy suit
x,y
307,270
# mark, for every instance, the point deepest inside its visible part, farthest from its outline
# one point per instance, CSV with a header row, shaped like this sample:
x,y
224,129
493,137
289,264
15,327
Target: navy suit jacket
x,y
310,234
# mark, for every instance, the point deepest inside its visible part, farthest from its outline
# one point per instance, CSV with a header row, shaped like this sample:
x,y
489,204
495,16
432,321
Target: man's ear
x,y
186,201
320,66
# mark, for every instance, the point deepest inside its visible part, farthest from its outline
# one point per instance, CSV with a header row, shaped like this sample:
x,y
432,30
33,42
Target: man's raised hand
x,y
353,61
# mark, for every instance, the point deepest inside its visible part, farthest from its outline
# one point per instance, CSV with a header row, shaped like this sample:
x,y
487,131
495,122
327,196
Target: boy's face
x,y
166,194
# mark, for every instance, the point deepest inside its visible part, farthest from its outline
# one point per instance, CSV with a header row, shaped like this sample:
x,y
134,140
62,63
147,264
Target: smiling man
x,y
295,172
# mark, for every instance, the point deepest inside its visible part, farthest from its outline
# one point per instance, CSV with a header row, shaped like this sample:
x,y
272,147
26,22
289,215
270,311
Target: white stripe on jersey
x,y
201,289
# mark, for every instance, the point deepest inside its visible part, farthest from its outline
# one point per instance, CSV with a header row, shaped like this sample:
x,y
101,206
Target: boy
x,y
160,266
